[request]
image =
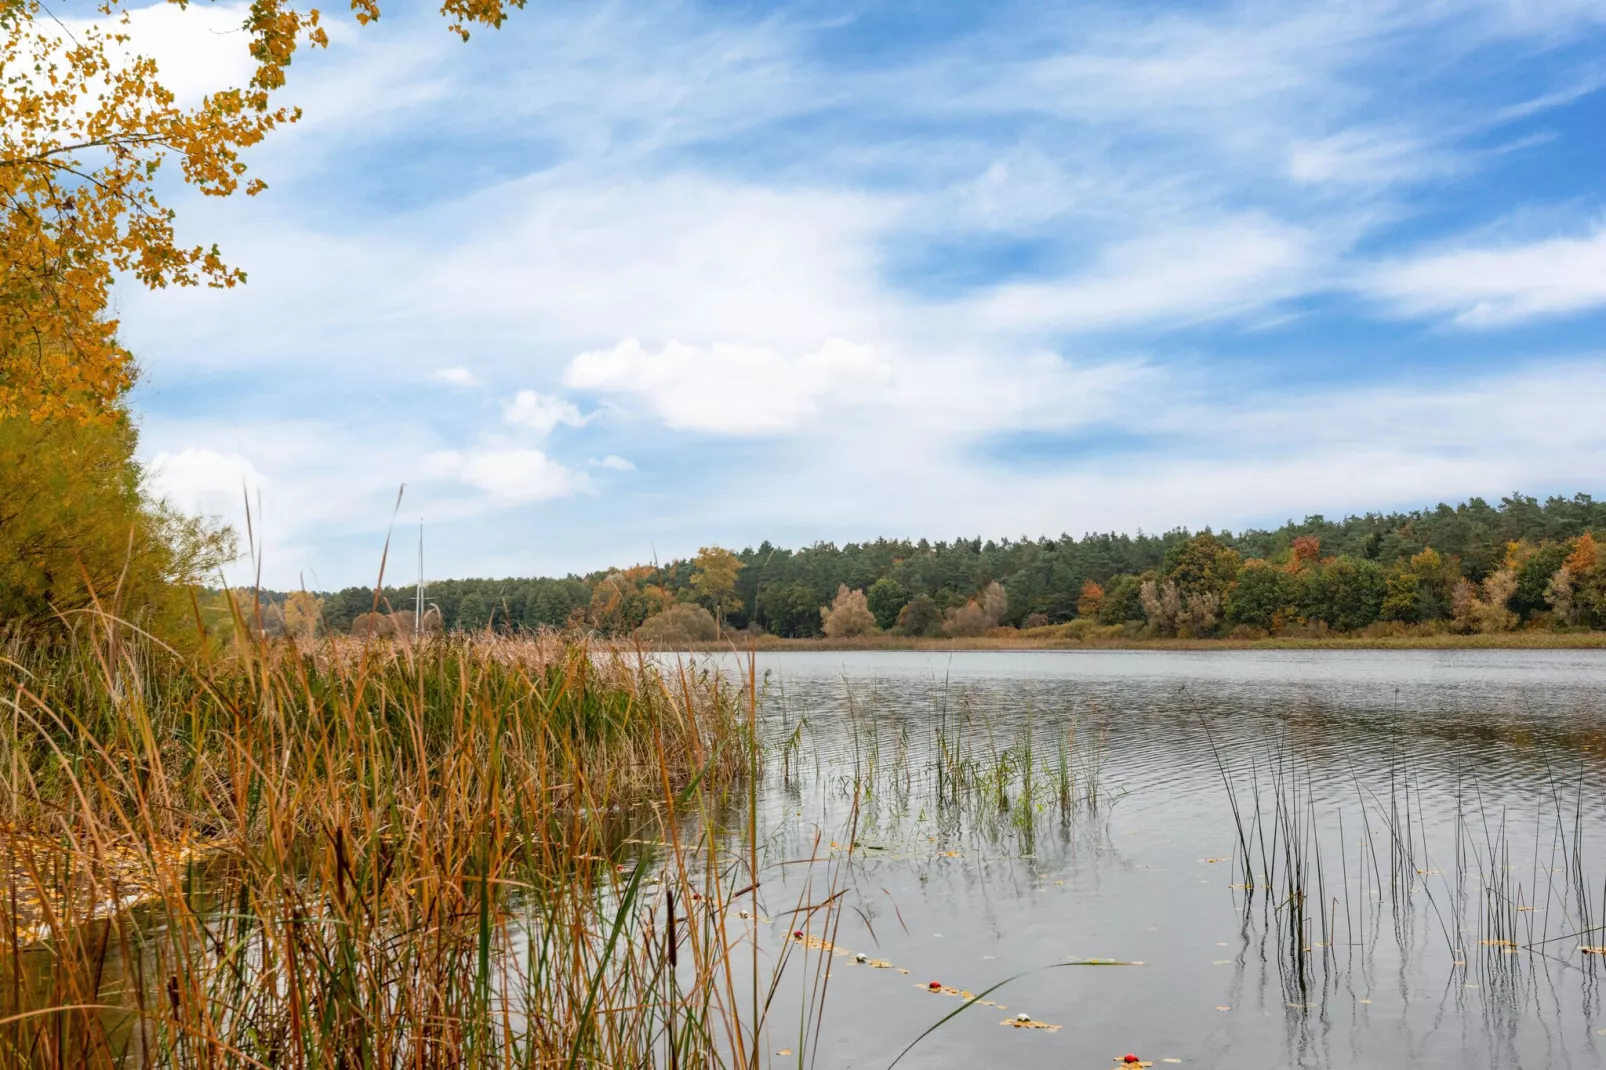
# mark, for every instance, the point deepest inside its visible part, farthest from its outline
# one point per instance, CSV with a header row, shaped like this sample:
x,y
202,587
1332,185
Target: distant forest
x,y
1468,567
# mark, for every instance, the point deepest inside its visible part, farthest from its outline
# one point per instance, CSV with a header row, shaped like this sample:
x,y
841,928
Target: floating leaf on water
x,y
784,1051
1223,858
1171,1060
1593,950
1027,1023
1222,962
1223,1008
1497,943
937,988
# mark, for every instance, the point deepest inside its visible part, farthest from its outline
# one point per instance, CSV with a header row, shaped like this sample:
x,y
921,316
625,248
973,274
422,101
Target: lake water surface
x,y
1425,833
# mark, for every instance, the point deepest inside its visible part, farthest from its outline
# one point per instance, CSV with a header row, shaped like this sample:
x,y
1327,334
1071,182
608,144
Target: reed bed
x,y
961,767
1495,886
476,851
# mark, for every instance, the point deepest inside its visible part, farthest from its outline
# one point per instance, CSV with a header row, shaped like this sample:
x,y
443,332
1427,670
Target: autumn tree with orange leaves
x,y
86,131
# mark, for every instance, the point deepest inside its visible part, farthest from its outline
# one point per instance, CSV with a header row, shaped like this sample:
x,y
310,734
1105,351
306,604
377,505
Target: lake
x,y
1320,859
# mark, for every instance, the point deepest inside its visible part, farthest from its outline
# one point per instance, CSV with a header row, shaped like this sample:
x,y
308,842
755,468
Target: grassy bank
x,y
1052,639
462,853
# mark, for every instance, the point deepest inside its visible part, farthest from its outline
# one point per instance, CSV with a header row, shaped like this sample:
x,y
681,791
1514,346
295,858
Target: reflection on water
x,y
1326,859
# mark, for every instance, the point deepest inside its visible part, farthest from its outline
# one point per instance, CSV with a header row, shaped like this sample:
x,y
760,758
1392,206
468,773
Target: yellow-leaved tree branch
x,y
86,127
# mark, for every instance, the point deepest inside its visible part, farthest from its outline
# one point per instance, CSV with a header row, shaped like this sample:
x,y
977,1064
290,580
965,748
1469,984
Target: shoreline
x,y
1503,641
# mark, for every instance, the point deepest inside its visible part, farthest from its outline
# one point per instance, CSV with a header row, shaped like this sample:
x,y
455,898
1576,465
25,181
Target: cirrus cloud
x,y
1500,285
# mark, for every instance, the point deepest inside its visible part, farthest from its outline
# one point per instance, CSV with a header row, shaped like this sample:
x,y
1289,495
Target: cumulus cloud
x,y
202,480
455,376
541,412
613,461
509,475
1499,285
731,389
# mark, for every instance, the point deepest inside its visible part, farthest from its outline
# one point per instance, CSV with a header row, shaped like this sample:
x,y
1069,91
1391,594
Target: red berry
x,y
798,934
1130,1058
935,985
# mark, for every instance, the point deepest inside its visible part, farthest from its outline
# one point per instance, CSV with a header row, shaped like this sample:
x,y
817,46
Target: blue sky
x,y
621,280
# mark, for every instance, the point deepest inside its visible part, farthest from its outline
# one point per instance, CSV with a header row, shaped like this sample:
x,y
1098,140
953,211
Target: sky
x,y
618,281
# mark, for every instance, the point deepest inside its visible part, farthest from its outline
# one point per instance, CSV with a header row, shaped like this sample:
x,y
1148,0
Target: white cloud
x,y
731,389
1499,285
1156,170
1361,157
198,50
456,376
567,254
203,480
541,412
548,264
1186,273
511,475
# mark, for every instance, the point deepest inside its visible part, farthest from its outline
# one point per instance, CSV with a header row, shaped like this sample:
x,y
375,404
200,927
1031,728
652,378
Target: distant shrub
x,y
920,617
967,621
1082,628
980,615
1490,612
684,622
373,626
994,602
848,615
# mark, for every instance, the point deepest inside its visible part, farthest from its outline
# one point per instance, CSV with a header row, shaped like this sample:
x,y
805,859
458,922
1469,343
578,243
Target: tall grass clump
x,y
454,852
1492,881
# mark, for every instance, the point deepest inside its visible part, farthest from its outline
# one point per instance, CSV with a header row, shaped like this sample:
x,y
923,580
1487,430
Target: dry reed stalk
x,y
420,854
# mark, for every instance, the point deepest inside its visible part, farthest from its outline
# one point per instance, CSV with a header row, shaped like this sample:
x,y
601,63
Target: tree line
x,y
1474,566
